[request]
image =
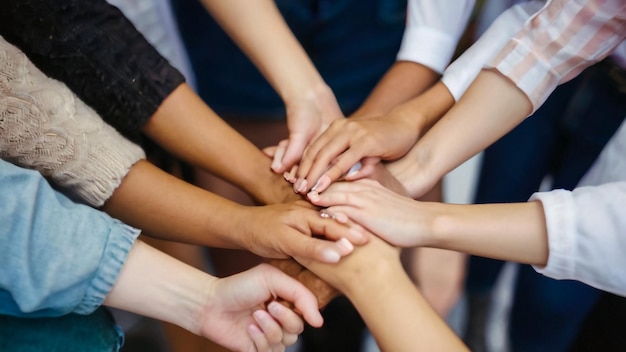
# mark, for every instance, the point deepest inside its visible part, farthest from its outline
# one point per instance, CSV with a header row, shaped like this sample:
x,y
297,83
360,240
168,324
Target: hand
x,y
286,230
320,288
306,119
400,220
237,306
368,263
349,141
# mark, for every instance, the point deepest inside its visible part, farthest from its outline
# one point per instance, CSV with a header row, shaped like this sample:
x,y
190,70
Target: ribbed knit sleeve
x,y
93,48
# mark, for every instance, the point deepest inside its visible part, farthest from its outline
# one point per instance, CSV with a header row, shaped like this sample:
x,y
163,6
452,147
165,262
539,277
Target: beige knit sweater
x,y
45,127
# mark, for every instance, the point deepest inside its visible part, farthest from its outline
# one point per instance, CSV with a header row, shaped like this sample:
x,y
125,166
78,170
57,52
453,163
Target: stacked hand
x,y
238,304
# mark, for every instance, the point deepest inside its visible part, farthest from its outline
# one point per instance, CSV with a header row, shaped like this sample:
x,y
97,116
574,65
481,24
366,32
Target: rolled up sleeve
x,y
59,256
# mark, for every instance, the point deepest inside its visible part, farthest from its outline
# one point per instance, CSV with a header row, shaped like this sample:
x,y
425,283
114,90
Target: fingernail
x,y
302,186
322,183
314,196
296,185
356,233
342,218
274,308
331,256
344,244
275,166
354,169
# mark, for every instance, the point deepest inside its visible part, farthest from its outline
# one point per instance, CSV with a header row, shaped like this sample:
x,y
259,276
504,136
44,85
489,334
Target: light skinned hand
x,y
287,230
349,141
347,274
238,317
399,220
306,119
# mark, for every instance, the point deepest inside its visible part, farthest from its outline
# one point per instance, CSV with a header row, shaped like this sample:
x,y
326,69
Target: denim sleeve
x,y
58,256
96,51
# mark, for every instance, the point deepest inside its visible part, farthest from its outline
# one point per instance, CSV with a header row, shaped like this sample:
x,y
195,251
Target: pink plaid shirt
x,y
558,42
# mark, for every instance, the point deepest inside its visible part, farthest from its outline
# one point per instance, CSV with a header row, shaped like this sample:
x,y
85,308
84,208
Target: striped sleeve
x,y
558,42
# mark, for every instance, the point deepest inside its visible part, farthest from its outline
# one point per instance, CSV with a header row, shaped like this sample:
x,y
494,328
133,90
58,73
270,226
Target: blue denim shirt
x,y
58,256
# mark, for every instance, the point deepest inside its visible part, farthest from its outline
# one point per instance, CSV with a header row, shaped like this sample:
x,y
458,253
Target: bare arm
x,y
387,137
491,107
510,231
186,127
169,208
403,81
272,47
230,311
394,311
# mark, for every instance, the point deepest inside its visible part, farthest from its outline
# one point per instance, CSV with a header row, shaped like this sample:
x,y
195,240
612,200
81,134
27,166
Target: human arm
x,y
103,264
565,234
430,38
387,137
100,56
474,229
394,311
502,96
231,311
69,143
182,212
38,224
272,47
45,127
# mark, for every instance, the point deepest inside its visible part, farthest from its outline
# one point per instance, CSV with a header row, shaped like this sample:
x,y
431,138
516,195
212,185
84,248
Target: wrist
x,y
374,278
317,94
155,285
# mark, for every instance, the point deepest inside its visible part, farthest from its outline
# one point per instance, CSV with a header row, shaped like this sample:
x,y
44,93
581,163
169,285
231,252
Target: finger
x,y
368,166
270,151
326,160
279,152
293,291
271,328
334,229
259,339
294,150
340,193
290,321
318,156
291,175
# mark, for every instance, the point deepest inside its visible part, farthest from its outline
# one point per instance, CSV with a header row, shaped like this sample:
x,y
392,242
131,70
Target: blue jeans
x,y
562,140
96,332
352,43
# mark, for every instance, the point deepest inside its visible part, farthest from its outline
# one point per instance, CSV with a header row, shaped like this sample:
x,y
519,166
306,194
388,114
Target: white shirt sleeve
x,y
433,31
460,74
587,235
587,227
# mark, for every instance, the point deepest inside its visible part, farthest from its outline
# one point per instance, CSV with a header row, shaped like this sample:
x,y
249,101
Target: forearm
x,y
211,144
158,286
166,207
270,44
398,316
509,231
404,81
490,108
